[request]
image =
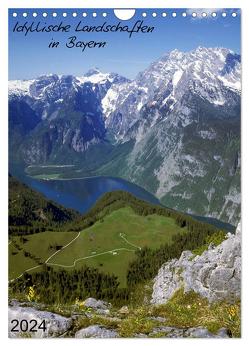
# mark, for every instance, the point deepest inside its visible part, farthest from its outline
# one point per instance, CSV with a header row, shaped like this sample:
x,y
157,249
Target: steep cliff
x,y
214,275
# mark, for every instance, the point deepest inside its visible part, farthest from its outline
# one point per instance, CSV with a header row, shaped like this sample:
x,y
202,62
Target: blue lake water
x,y
82,194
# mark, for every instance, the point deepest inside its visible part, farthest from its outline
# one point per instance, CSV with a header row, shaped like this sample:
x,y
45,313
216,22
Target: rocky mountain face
x,y
213,74
64,113
215,275
179,119
183,114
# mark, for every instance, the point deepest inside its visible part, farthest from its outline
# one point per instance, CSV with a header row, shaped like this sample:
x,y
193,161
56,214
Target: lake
x,y
82,193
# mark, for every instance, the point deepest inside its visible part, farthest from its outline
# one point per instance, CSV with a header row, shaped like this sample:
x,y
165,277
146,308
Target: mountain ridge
x,y
180,119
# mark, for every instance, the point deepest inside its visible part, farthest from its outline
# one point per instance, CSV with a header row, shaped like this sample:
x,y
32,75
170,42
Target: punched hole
x,y
124,14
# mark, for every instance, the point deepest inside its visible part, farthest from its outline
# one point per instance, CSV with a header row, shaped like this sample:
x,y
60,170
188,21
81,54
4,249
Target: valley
x,y
174,130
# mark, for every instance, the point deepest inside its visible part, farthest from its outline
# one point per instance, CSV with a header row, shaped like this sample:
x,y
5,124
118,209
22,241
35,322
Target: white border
x,y
124,3
4,5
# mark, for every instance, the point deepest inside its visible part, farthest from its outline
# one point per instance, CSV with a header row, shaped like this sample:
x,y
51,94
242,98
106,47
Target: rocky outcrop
x,y
214,275
50,325
109,327
96,331
124,310
55,325
99,306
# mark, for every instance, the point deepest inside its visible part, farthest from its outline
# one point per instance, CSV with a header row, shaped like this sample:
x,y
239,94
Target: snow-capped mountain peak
x,y
210,73
19,87
95,76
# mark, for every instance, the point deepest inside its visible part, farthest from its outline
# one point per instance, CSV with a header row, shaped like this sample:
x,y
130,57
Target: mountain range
x,y
174,129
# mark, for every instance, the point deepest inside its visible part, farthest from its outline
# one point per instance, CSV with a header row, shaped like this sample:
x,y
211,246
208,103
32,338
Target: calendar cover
x,y
124,173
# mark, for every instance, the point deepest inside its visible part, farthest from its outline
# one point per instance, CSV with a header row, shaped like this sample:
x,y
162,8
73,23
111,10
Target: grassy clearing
x,y
37,244
18,262
104,235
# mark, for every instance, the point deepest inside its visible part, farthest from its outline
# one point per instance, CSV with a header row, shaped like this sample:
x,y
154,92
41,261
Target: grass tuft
x,y
186,310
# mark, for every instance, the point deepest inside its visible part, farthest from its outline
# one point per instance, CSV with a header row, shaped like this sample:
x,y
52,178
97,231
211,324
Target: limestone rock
x,y
124,310
214,275
140,335
56,325
99,306
197,332
96,331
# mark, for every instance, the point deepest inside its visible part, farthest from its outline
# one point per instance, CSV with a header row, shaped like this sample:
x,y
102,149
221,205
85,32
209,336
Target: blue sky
x,y
30,56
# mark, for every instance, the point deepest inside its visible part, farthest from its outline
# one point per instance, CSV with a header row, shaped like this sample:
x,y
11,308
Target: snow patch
x,y
176,78
96,78
20,87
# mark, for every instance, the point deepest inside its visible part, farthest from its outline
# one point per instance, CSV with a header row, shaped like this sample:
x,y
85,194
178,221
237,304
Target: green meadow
x,y
36,244
109,245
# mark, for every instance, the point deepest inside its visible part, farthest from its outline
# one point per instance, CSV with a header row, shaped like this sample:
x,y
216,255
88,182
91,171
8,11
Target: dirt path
x,y
27,270
91,256
122,235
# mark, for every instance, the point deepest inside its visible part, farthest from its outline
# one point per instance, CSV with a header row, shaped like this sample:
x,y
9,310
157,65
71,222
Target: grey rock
x,y
223,333
176,333
124,310
201,332
96,331
14,302
103,311
170,332
140,335
215,275
198,332
99,306
56,325
96,304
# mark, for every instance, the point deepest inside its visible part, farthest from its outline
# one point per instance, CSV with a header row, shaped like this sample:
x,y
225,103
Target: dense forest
x,y
30,212
51,286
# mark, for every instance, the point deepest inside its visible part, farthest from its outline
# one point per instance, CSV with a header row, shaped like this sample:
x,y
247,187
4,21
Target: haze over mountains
x,y
174,129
